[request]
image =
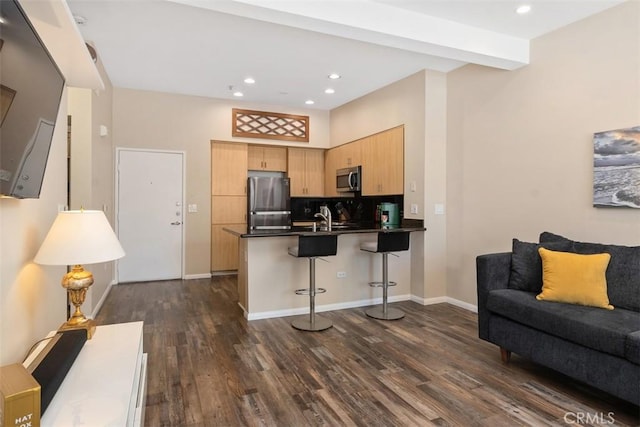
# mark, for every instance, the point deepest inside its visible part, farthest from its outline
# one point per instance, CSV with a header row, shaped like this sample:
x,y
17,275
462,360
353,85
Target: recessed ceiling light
x,y
525,8
329,91
238,94
334,76
309,102
249,80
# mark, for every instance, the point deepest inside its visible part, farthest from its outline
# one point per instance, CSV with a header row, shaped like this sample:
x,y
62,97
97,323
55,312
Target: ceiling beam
x,y
57,29
385,25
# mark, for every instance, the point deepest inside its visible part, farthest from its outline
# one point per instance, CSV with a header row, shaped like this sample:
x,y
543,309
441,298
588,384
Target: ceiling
x,y
208,47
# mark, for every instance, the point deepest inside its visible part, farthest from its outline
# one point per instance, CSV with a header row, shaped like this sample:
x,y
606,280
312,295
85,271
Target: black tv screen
x,y
31,87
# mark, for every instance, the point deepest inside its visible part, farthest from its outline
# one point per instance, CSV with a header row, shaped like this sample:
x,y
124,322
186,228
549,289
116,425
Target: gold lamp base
x,y
76,282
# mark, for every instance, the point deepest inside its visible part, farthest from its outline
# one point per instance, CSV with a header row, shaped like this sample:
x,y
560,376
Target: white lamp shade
x,y
79,237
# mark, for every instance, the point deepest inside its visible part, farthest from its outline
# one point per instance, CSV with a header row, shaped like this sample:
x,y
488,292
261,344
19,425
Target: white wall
x,y
520,143
92,170
143,119
418,102
32,299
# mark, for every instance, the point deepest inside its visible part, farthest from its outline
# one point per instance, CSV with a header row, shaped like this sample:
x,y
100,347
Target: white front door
x,y
150,214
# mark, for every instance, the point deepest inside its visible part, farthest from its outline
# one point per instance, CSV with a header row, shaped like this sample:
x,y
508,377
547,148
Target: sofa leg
x,y
505,355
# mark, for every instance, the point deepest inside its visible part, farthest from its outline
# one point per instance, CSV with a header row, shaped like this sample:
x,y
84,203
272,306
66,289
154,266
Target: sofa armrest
x,y
493,272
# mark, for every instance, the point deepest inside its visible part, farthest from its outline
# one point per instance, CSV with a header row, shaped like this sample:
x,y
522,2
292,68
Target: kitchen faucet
x,y
325,214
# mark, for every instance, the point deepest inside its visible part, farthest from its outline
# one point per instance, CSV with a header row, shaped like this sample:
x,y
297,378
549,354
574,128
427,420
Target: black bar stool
x,y
313,246
388,241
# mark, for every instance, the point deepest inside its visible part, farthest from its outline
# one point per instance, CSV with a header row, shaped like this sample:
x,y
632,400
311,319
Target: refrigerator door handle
x,y
271,213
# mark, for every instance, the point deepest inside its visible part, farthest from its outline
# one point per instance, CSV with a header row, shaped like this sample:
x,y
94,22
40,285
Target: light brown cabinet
x,y
228,209
228,169
229,164
349,155
383,163
343,156
224,249
306,172
266,158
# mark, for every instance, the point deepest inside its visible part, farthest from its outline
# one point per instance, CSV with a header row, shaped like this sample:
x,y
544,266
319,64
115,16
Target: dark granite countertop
x,y
349,228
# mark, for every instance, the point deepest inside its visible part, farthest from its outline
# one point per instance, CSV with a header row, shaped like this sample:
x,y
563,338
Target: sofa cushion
x,y
574,278
526,266
632,348
623,273
602,330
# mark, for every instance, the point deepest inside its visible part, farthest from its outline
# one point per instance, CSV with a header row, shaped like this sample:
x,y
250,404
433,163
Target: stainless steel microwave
x,y
348,180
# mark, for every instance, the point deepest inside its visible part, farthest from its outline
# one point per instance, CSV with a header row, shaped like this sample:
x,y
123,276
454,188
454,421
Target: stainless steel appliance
x,y
348,180
268,203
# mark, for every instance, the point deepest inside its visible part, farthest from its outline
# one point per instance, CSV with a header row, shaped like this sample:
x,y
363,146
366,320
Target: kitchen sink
x,y
334,226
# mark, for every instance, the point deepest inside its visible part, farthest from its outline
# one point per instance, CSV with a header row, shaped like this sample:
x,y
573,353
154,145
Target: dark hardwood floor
x,y
208,366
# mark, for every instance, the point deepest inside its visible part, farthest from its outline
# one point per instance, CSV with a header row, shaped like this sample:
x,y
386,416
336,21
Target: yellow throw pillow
x,y
574,278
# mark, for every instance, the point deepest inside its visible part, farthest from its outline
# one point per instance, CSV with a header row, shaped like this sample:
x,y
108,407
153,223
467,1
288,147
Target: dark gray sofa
x,y
593,345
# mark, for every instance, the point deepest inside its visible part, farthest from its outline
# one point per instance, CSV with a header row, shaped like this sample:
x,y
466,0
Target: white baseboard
x,y
428,301
462,304
321,308
197,276
98,306
447,300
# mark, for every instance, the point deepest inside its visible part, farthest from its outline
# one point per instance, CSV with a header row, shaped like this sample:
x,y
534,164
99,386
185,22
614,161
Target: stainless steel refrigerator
x,y
268,203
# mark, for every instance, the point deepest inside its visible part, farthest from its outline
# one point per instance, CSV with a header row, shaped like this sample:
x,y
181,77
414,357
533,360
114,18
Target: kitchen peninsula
x,y
268,275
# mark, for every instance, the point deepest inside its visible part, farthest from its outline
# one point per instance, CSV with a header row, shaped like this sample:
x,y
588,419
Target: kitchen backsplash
x,y
356,209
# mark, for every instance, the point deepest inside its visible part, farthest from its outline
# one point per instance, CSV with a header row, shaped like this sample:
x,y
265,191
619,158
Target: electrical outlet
x,y
439,209
341,274
414,208
192,208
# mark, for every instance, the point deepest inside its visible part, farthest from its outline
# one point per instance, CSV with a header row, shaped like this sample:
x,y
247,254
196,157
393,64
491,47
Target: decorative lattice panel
x,y
262,124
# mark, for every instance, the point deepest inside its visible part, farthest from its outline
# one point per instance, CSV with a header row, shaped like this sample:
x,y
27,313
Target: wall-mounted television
x,y
31,87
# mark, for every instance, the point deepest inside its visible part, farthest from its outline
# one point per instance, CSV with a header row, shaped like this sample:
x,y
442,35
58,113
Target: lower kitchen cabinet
x,y
224,249
226,211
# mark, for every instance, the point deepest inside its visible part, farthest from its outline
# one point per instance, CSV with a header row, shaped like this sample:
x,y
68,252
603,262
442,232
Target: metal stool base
x,y
391,314
304,324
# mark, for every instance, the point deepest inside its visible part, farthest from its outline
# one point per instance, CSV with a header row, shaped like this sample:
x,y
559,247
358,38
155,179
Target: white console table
x,y
106,386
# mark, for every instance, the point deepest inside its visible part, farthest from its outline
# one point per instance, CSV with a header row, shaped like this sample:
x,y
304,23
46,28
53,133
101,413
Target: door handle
x,y
176,223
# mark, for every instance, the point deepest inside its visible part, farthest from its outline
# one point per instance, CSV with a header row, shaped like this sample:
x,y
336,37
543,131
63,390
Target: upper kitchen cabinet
x,y
267,158
383,163
343,156
306,172
228,169
349,155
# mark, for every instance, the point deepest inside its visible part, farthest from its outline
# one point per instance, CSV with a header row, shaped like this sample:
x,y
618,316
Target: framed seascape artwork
x,y
616,168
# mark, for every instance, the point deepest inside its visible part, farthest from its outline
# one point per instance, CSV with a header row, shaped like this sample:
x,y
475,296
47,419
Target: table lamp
x,y
75,238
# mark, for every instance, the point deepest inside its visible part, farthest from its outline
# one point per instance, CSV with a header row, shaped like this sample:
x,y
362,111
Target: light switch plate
x,y
192,208
439,209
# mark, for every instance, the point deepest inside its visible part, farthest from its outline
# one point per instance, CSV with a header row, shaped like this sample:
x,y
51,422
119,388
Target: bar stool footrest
x,y
307,291
381,284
